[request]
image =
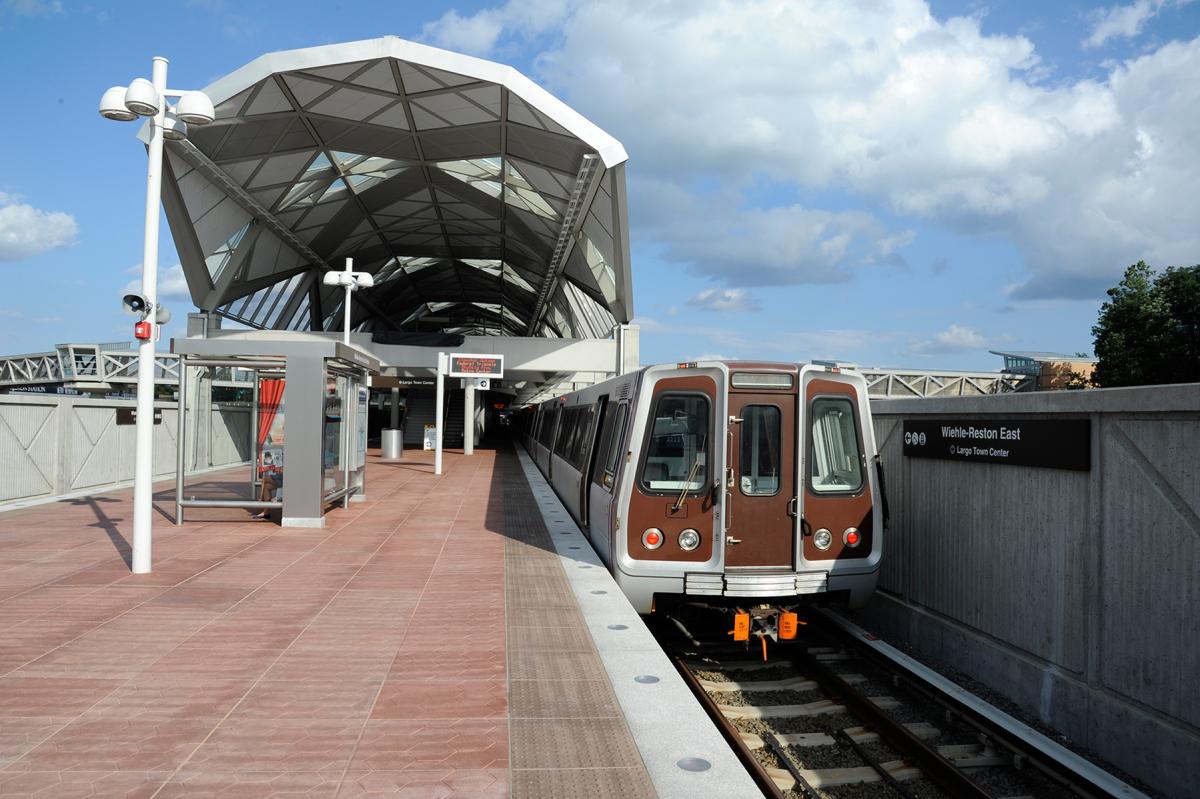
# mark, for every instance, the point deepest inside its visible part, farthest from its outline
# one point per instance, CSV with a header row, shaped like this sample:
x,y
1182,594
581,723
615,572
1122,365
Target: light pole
x,y
148,98
353,281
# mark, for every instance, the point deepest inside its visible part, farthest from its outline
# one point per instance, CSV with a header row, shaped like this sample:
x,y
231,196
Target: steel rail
x,y
933,766
757,772
1056,761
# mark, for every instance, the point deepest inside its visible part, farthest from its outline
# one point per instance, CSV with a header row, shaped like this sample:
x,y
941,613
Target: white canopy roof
x,y
482,204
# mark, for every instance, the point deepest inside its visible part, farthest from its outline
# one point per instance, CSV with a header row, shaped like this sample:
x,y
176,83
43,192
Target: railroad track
x,y
838,714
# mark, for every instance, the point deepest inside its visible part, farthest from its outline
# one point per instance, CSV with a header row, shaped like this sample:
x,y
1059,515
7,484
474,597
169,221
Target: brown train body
x,y
720,480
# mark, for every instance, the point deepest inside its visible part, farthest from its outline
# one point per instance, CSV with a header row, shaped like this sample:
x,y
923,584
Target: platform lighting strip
x,y
562,246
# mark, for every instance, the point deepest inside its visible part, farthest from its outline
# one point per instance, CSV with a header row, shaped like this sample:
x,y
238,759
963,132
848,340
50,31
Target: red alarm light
x,y
142,331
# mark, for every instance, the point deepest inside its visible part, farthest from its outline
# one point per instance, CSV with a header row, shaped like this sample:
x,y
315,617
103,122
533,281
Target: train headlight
x,y
689,539
652,538
822,538
851,537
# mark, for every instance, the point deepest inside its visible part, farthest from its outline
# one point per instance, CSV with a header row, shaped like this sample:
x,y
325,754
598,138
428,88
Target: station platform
x,y
429,642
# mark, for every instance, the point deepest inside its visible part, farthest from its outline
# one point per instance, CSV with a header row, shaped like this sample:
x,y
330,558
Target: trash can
x,y
392,445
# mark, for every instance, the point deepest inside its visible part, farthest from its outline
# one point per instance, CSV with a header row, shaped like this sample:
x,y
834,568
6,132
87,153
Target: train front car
x,y
754,483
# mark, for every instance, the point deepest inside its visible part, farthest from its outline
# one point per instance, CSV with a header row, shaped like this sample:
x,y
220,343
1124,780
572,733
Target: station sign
x,y
128,416
1048,443
467,365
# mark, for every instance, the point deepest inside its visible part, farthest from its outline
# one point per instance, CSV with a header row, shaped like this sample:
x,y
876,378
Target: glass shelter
x,y
305,429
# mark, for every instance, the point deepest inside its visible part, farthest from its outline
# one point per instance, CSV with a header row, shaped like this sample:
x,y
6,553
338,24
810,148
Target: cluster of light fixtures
x,y
141,99
653,538
850,537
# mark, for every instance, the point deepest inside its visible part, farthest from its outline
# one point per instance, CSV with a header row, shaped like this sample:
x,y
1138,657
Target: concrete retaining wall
x,y
1075,594
57,445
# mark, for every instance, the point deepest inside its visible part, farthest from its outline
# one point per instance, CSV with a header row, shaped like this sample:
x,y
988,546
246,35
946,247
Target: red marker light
x,y
851,537
652,538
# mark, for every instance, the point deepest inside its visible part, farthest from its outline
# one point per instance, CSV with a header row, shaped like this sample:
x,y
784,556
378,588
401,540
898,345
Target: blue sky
x,y
896,184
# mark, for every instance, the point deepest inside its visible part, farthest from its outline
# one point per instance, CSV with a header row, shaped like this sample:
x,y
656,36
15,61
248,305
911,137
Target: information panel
x,y
466,365
1049,443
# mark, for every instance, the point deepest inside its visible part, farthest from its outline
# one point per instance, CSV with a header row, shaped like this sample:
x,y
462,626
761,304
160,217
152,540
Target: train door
x,y
591,450
759,480
609,456
835,513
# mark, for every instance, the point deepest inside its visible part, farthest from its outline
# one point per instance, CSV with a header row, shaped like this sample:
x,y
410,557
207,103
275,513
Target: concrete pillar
x,y
304,442
391,442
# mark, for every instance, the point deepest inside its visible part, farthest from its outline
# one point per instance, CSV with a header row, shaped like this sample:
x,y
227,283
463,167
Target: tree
x,y
1149,330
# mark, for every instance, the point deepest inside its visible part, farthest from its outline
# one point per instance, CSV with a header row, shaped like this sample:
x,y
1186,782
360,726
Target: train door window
x,y
598,439
835,450
612,461
759,461
677,450
583,431
546,436
566,427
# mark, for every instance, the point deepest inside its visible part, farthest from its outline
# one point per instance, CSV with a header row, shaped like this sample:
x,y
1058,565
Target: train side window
x,y
677,449
613,446
835,450
759,460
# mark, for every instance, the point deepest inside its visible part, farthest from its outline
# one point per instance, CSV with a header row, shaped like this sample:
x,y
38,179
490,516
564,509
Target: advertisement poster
x,y
360,454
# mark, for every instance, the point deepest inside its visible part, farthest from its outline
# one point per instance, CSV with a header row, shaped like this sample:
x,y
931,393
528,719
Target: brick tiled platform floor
x,y
424,644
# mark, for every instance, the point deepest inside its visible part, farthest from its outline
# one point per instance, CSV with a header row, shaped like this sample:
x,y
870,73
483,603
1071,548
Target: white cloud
x,y
910,115
724,300
1124,21
719,239
478,33
26,231
955,338
172,284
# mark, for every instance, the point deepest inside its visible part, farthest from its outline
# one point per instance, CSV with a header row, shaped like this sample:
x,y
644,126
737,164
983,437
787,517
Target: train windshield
x,y
836,464
677,455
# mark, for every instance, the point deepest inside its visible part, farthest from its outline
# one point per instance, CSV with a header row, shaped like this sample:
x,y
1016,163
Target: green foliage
x,y
1149,330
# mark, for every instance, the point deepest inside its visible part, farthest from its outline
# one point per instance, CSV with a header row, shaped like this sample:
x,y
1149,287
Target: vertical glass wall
x,y
337,406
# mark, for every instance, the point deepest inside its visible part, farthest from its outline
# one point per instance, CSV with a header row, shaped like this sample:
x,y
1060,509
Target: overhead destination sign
x,y
466,365
1052,444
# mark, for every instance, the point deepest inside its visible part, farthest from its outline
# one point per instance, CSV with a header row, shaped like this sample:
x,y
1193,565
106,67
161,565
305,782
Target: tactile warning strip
x,y
682,752
562,708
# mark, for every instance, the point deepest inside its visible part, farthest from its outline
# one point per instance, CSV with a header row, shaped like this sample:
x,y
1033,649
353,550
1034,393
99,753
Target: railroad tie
x,y
973,756
756,686
830,777
860,735
818,708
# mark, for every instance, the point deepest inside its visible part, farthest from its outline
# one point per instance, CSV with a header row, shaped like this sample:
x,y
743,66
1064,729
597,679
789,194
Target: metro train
x,y
721,481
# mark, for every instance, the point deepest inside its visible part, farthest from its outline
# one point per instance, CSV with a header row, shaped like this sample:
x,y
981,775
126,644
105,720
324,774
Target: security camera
x,y
137,305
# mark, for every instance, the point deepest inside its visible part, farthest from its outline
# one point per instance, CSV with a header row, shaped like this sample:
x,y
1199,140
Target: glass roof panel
x,y
492,267
220,257
602,270
305,90
353,104
269,99
513,277
379,76
393,117
481,173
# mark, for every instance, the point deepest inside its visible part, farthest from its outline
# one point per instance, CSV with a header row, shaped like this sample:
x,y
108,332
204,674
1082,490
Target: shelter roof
x,y
482,204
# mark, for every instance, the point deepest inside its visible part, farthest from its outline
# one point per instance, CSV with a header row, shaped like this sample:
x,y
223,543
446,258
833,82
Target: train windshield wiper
x,y
687,484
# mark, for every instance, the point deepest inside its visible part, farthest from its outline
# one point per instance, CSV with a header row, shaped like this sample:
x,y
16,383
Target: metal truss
x,y
943,383
95,363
